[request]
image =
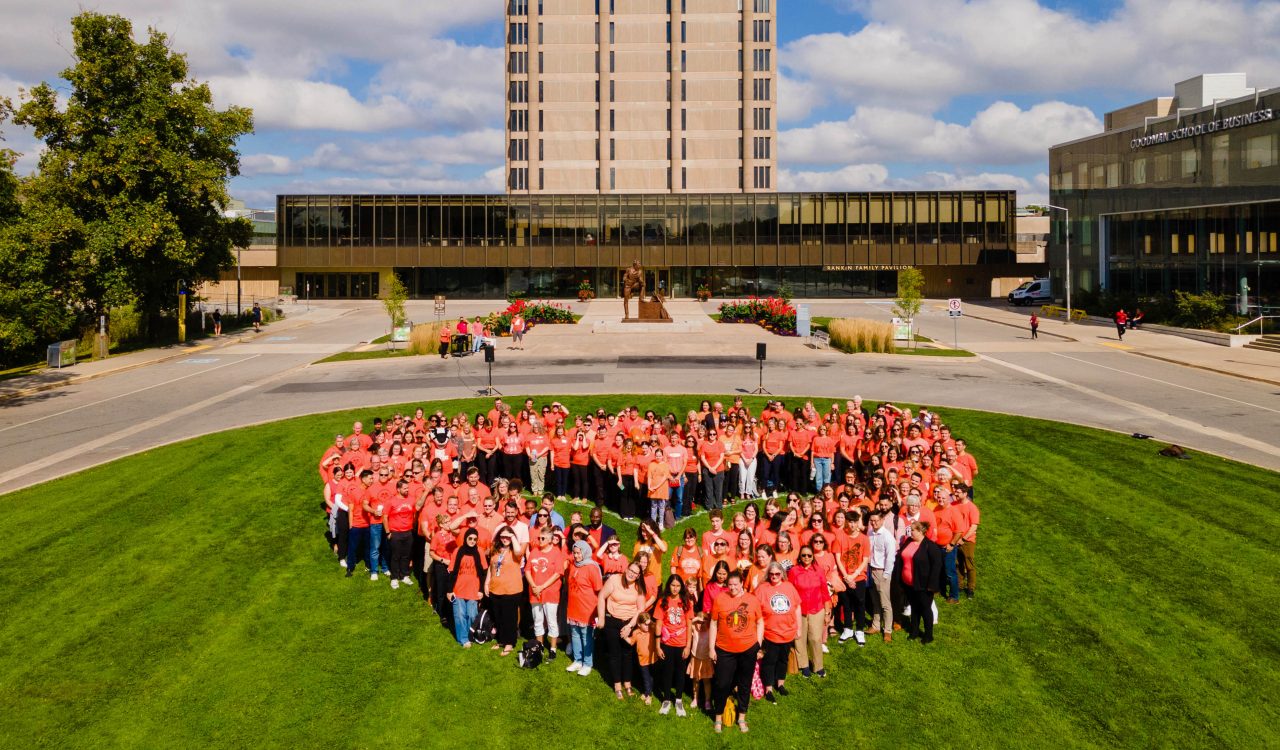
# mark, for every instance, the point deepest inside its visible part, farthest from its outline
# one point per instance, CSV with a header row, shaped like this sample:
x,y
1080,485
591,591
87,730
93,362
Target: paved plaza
x,y
1156,384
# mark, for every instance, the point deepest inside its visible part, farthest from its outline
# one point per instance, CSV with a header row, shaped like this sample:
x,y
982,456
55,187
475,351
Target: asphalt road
x,y
1084,381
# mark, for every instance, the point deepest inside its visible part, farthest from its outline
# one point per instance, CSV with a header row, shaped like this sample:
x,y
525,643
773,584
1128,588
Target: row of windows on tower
x,y
761,119
518,62
761,91
521,7
761,148
761,31
762,178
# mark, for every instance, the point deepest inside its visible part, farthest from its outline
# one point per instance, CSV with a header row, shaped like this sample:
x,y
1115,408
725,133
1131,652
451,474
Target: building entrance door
x,y
654,278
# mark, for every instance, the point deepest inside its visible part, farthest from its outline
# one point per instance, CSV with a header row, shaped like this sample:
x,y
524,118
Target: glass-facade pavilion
x,y
488,246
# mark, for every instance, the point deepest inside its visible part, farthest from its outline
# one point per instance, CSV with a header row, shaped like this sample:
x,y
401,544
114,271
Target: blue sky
x,y
406,95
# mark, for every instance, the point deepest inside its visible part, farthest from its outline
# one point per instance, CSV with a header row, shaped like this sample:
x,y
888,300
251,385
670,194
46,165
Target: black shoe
x,y
821,673
782,690
769,696
968,593
551,654
806,673
348,575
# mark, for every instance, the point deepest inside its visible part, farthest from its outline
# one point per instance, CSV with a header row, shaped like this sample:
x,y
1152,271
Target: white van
x,y
1034,292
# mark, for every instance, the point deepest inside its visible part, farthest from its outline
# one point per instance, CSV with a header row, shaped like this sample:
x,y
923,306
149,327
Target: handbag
x,y
669,518
757,685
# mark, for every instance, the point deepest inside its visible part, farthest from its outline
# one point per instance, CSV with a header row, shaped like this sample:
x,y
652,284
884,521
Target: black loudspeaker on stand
x,y
488,358
760,357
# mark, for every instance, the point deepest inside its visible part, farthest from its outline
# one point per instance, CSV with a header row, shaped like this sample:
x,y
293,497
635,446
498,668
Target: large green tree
x,y
135,169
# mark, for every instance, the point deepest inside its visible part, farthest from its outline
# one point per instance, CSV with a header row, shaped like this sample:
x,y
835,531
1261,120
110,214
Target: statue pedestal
x,y
650,312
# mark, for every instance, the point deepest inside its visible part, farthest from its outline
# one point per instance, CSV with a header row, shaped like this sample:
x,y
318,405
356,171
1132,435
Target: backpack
x,y
482,627
530,656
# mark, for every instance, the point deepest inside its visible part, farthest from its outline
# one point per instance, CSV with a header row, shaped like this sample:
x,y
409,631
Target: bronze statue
x,y
632,282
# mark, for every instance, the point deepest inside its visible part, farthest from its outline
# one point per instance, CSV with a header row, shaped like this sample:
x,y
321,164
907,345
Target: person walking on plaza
x,y
257,317
517,332
217,321
1035,326
1122,321
446,336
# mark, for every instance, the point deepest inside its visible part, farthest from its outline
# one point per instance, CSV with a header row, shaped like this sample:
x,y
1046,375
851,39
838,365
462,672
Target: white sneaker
x,y
860,638
680,708
373,576
395,584
574,667
406,581
665,708
342,564
825,650
585,671
846,634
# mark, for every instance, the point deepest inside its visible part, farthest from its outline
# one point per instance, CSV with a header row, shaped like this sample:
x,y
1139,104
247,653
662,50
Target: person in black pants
x,y
618,606
505,607
779,595
673,615
737,630
921,564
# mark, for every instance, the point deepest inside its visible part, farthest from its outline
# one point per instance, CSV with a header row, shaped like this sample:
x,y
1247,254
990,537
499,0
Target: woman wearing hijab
x,y
466,579
585,582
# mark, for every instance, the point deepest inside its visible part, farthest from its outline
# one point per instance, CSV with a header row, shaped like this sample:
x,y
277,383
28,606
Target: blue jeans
x,y
376,563
821,472
677,498
951,586
582,642
357,538
476,343
464,613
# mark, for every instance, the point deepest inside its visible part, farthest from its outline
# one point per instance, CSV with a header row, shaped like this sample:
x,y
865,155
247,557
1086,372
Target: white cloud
x,y
857,177
252,165
304,105
1000,134
919,54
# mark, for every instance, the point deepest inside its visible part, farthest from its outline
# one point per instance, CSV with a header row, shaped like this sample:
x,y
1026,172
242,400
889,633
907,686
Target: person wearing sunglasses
x,y
811,583
780,602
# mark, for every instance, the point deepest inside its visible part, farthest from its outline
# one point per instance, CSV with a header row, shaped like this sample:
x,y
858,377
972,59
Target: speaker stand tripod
x,y
760,390
489,390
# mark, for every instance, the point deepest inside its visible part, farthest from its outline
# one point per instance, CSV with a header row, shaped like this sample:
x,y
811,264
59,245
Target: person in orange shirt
x,y
715,575
580,460
544,570
584,583
672,616
950,525
716,532
686,561
847,450
487,446
643,638
800,442
537,447
784,551
737,630
466,580
824,451
400,512
503,587
561,459
711,455
658,483
625,468
780,603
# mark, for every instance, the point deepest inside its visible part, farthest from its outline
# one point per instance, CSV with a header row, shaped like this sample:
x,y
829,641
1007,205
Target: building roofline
x,y
1258,94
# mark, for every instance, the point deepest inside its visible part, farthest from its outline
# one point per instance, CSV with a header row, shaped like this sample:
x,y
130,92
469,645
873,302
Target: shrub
x,y
534,313
770,313
424,338
1206,310
856,335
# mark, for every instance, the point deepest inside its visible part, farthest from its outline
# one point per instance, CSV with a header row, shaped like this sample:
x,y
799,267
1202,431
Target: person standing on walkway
x,y
1035,326
446,336
517,332
1122,320
217,321
257,317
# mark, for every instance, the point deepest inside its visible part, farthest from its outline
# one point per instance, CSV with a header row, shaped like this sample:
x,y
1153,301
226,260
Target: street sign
x,y
901,329
953,307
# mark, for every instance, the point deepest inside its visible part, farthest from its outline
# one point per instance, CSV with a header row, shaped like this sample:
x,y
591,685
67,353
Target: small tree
x,y
397,294
910,295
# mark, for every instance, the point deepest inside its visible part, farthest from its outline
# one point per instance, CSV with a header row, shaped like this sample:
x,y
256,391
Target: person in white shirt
x,y
884,550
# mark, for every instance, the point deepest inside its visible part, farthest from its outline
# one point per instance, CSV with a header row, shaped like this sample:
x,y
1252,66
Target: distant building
x,y
641,96
1179,192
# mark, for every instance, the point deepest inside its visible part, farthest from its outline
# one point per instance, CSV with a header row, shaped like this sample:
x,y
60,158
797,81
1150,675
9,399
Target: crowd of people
x,y
853,521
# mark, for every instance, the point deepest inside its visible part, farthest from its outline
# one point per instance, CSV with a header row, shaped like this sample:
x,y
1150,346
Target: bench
x,y
820,339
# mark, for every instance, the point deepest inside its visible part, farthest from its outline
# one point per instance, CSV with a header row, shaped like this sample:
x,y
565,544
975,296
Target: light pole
x,y
1068,284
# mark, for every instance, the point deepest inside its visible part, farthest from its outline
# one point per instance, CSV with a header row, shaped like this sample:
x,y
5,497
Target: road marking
x,y
199,361
1121,347
1186,424
282,338
1175,385
122,395
105,440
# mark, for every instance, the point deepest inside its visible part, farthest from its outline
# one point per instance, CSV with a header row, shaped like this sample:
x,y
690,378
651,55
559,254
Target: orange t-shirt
x,y
504,576
584,589
561,448
543,564
712,451
467,583
538,444
824,446
779,602
399,514
687,562
736,618
800,440
855,550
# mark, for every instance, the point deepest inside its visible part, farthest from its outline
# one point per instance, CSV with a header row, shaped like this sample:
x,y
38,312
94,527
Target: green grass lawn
x,y
371,354
184,597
